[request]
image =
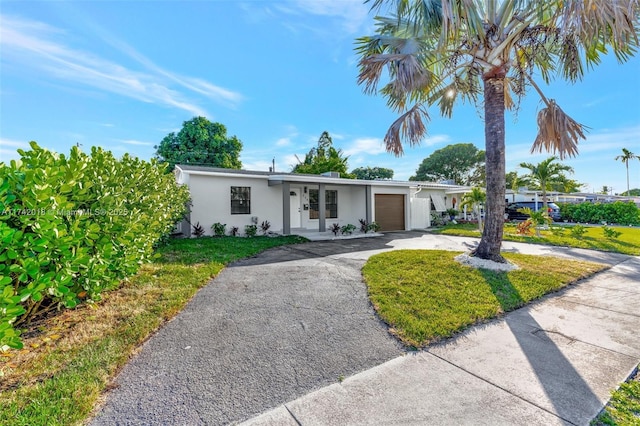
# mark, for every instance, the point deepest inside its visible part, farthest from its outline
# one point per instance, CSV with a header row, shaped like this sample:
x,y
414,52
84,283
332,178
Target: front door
x,y
295,207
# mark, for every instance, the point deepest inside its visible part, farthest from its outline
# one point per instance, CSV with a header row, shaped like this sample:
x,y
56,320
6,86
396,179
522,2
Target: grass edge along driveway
x,y
425,295
67,363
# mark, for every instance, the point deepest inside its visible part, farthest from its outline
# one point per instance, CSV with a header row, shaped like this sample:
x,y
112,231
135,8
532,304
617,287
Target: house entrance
x,y
294,206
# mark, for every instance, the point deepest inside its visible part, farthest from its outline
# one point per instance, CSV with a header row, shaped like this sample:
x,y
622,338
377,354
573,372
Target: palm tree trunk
x,y
494,133
627,164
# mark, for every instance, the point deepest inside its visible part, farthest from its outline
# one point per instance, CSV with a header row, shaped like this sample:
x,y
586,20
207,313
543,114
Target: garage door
x,y
389,210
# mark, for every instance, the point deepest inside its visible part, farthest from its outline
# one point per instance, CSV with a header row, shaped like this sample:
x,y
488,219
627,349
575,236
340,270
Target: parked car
x,y
513,213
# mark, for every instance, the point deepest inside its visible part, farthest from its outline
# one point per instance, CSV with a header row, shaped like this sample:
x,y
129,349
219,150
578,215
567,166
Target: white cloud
x,y
32,44
283,142
135,142
366,146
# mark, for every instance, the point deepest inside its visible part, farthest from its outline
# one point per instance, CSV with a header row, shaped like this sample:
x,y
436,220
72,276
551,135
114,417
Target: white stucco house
x,y
292,202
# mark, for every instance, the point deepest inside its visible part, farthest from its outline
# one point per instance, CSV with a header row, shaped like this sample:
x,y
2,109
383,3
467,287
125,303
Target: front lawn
x,y
425,295
68,360
627,243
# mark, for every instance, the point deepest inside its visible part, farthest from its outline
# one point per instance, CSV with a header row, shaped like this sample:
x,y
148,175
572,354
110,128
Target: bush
x,y
335,228
577,231
250,230
73,227
219,229
198,230
364,225
622,213
348,229
610,233
234,231
374,227
265,226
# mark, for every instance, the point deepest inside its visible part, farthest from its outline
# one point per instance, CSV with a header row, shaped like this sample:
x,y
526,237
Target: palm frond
x,y
409,126
557,132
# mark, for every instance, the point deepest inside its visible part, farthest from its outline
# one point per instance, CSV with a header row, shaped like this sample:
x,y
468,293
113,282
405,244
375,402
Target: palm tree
x,y
544,173
475,199
625,157
486,52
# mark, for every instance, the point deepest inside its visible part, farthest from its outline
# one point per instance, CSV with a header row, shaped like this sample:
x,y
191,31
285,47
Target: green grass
x,y
623,407
62,372
627,243
425,295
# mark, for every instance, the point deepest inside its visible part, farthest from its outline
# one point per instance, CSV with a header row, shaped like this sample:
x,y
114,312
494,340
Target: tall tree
x,y
324,158
563,184
486,52
372,173
200,142
458,162
544,173
625,157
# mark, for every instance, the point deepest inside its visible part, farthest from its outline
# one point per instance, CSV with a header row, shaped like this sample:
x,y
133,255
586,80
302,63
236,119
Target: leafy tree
x,y
475,199
372,173
625,157
544,173
456,162
633,193
200,142
324,158
563,184
486,53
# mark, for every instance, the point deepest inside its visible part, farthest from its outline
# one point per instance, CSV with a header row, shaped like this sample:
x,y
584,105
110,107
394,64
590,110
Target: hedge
x,y
73,227
619,212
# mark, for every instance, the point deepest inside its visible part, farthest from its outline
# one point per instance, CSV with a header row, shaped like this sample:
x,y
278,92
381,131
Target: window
x,y
331,204
240,200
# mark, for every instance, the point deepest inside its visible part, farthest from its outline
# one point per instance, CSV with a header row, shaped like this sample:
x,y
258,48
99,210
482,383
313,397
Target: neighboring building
x,y
292,202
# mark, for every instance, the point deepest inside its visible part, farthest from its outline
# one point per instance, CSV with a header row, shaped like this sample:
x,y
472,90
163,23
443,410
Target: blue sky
x,y
123,74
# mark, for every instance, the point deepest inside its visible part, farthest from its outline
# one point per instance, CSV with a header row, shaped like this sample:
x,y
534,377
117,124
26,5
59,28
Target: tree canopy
x,y
489,53
323,158
458,162
200,142
372,173
545,172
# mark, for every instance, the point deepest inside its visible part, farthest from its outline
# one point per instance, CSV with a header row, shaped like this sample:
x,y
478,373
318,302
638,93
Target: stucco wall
x,y
211,197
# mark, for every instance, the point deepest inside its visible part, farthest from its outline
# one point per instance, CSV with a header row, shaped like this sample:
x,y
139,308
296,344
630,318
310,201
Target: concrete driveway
x,y
281,330
266,330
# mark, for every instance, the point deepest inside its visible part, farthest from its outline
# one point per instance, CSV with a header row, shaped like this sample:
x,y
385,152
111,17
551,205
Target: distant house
x,y
299,203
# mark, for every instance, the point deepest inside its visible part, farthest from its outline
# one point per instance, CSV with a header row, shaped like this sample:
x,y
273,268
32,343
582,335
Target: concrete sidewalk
x,y
553,362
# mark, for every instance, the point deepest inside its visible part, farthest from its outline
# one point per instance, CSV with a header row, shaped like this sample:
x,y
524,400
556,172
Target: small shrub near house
x,y
250,230
74,226
219,229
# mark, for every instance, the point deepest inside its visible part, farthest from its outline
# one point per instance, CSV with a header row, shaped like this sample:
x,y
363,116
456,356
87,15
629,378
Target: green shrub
x,y
348,229
622,213
577,231
72,227
557,231
374,227
250,230
610,233
219,229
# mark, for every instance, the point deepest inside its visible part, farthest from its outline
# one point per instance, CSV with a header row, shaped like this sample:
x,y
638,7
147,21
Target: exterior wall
x,y
211,202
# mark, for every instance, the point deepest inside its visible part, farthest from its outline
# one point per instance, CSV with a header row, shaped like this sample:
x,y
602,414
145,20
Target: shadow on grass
x,y
566,390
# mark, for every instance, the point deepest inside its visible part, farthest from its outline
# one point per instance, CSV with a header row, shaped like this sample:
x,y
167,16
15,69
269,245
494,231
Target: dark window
x,y
240,200
331,204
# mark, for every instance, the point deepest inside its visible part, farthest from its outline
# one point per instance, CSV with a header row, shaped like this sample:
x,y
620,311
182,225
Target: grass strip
x,y
67,362
624,406
627,243
425,295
